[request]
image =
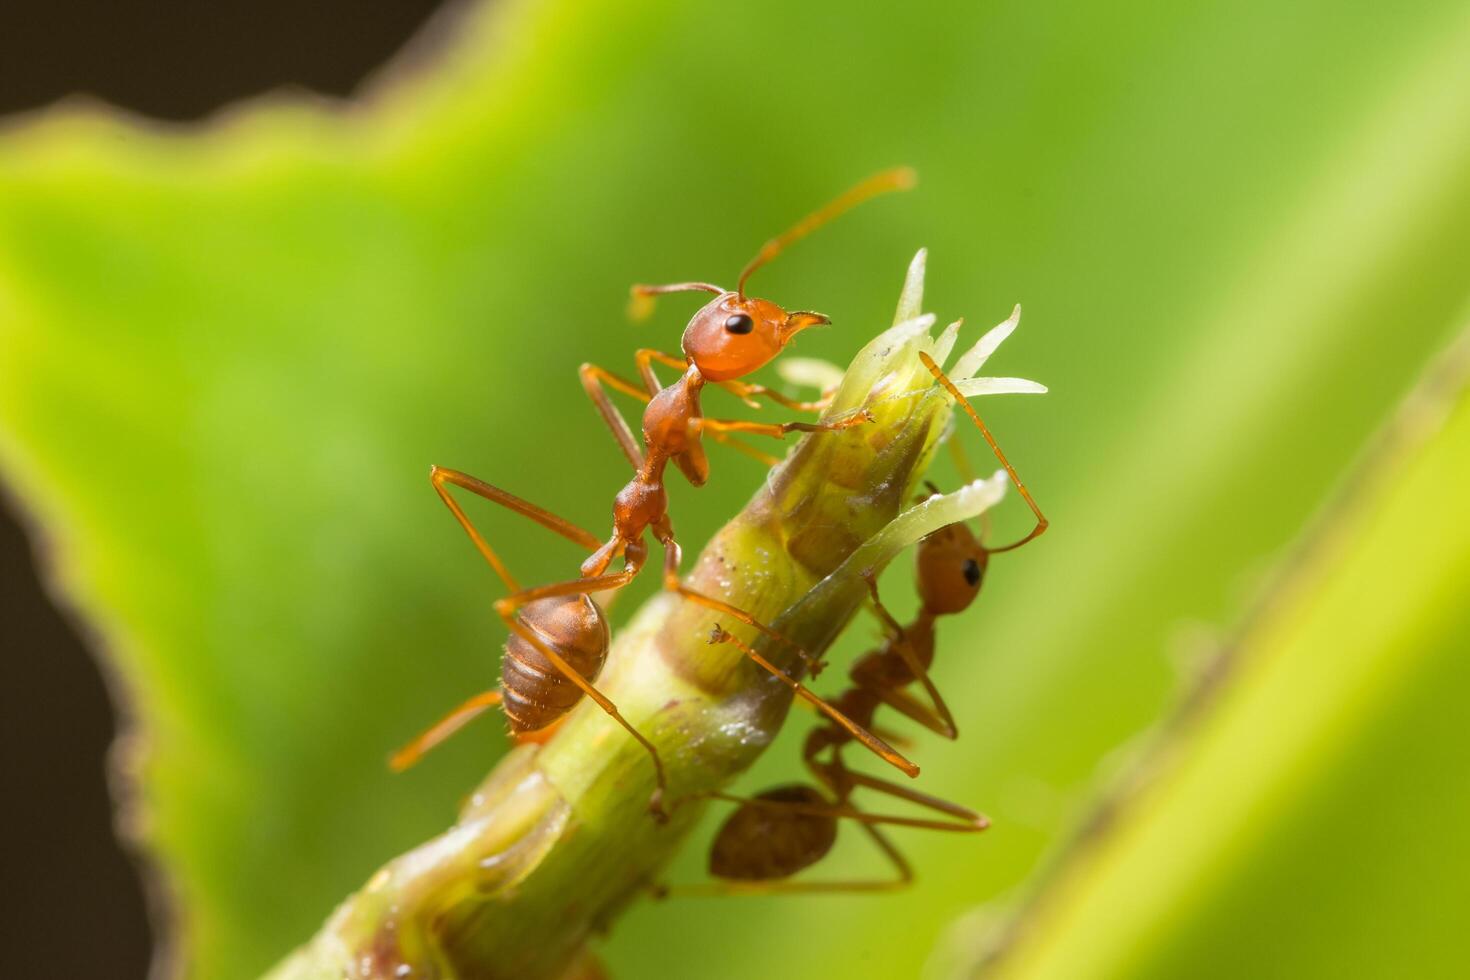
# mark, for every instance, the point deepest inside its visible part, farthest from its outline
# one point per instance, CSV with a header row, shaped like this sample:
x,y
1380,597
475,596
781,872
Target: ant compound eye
x,y
739,323
972,571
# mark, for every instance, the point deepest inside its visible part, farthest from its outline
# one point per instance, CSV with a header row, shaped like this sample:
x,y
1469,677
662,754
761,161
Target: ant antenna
x,y
640,302
964,403
897,179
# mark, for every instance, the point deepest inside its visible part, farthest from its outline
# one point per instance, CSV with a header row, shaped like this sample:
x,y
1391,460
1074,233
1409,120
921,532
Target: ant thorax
x,y
666,421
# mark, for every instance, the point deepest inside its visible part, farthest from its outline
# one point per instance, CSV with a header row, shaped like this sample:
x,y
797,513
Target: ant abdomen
x,y
769,837
535,692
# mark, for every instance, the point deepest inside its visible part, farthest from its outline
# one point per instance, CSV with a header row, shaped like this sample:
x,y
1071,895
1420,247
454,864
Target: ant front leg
x,y
743,390
593,378
748,392
596,381
782,429
646,356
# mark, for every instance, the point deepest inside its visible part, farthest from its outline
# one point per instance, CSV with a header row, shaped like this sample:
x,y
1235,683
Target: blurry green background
x,y
228,356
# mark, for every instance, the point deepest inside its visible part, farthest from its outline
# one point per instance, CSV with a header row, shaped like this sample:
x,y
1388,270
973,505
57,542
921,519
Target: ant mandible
x,y
784,830
559,634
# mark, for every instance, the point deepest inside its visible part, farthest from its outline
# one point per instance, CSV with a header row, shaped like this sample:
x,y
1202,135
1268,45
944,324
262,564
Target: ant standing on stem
x,y
559,634
782,831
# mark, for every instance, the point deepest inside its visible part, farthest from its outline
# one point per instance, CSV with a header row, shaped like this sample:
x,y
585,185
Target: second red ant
x,y
777,833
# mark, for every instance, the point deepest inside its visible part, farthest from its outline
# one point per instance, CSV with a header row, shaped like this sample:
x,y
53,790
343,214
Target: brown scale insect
x,y
784,830
558,634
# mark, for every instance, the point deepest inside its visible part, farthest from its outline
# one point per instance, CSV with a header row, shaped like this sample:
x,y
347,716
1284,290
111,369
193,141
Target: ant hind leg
x,y
442,729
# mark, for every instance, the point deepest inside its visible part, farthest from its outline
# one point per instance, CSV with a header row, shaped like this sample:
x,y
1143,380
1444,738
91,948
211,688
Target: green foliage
x,y
1301,802
227,359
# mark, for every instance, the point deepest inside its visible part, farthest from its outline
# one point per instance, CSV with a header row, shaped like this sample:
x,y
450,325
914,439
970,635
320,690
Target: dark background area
x,y
65,874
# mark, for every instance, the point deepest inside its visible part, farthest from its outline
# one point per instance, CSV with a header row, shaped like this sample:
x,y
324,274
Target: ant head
x,y
951,566
733,335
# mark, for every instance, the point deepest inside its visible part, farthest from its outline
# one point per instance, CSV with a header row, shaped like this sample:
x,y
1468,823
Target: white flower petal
x,y
945,343
974,359
911,300
971,387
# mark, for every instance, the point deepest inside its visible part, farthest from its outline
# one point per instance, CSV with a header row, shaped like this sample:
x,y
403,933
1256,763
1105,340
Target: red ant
x,y
559,634
784,830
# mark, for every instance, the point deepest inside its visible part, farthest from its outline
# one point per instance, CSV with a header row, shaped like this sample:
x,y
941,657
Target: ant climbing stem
x,y
558,634
776,834
729,338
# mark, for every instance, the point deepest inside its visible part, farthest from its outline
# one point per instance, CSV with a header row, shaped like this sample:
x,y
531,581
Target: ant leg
x,y
904,878
779,430
848,812
442,478
911,707
965,819
655,802
964,403
673,555
748,392
894,738
900,644
869,741
645,356
593,379
411,753
507,606
745,448
743,390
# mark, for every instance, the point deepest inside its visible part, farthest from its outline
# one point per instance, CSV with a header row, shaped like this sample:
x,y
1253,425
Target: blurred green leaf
x,y
228,356
1293,819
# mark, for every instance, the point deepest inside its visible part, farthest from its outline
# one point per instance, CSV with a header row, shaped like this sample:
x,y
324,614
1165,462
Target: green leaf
x,y
228,356
1301,800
